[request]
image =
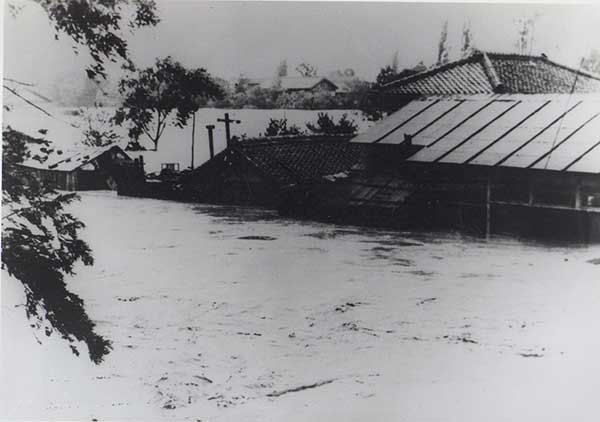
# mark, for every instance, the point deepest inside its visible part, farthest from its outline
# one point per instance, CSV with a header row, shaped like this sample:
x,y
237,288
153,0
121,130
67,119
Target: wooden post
x,y
530,203
227,122
193,135
211,145
578,195
488,209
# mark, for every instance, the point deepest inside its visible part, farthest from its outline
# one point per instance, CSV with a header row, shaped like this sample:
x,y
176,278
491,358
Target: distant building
x,y
295,84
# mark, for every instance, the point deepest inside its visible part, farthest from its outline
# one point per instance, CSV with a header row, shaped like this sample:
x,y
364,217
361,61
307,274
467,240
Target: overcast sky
x,y
229,38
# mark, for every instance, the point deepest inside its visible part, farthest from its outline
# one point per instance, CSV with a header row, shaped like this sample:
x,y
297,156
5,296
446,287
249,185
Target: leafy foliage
x,y
40,245
467,46
592,62
306,70
100,130
525,32
386,74
98,25
282,69
326,126
279,127
443,49
166,93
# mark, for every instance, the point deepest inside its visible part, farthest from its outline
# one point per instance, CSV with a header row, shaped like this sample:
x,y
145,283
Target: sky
x,y
252,38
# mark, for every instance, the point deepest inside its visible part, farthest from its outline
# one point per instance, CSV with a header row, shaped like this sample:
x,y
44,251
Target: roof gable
x,y
483,73
291,83
303,83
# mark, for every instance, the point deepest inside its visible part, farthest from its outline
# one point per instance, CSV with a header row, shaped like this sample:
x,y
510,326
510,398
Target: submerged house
x,y
493,143
520,164
259,171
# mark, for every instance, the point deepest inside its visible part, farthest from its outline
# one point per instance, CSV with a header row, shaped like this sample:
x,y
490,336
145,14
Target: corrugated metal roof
x,y
551,132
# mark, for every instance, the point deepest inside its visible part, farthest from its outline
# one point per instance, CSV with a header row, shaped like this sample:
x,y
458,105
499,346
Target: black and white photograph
x,y
300,211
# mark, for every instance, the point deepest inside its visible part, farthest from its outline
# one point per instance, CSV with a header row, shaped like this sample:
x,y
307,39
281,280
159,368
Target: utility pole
x,y
193,134
211,144
227,122
488,208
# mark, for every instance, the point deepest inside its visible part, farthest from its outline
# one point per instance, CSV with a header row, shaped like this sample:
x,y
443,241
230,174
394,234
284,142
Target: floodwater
x,y
227,313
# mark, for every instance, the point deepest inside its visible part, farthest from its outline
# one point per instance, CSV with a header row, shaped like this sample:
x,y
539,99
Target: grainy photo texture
x,y
300,211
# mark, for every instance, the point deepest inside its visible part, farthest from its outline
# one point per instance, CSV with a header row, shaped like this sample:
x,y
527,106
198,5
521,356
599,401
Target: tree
x,y
279,127
395,64
306,70
40,245
443,49
525,32
592,62
98,25
386,75
99,128
326,126
282,69
467,46
40,240
347,73
164,94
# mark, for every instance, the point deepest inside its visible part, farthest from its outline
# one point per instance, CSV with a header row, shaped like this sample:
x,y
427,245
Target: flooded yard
x,y
221,313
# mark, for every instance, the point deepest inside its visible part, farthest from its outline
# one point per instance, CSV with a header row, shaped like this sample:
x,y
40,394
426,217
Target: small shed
x,y
88,168
56,134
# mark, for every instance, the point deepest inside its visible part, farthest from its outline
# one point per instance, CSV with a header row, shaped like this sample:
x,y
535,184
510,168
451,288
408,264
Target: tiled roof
x,y
485,73
554,132
284,161
300,160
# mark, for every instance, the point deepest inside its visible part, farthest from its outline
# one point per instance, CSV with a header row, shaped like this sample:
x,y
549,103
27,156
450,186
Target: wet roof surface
x,y
552,132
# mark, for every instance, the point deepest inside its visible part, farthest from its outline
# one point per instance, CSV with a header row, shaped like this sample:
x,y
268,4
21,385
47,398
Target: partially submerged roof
x,y
546,132
290,160
487,73
298,160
